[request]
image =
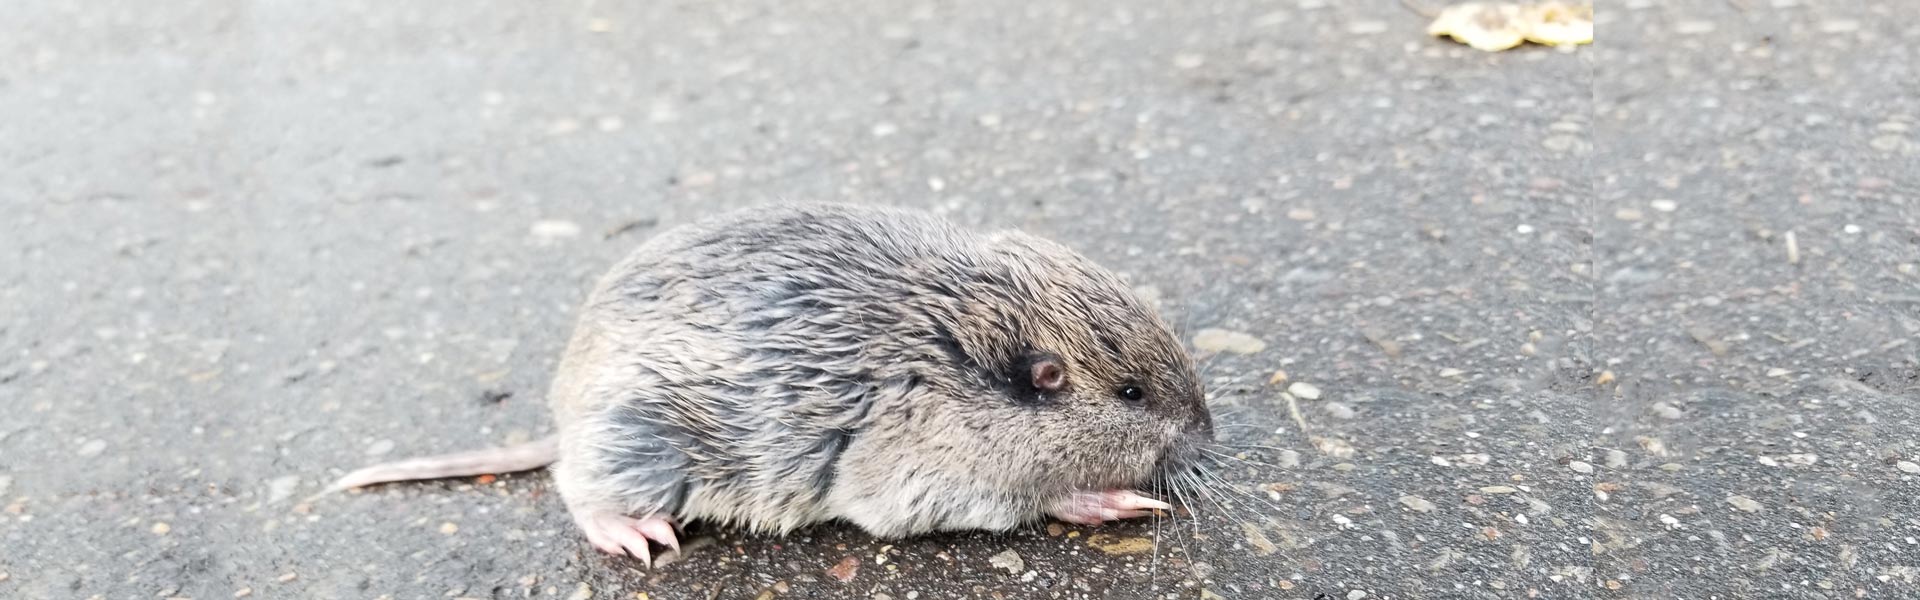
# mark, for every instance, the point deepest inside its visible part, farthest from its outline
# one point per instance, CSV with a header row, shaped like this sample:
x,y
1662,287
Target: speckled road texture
x,y
1633,321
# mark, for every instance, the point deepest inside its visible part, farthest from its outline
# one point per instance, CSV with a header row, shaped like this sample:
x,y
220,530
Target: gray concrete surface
x,y
1635,321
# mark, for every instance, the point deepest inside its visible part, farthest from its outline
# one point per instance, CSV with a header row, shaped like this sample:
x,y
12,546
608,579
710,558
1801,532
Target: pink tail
x,y
510,459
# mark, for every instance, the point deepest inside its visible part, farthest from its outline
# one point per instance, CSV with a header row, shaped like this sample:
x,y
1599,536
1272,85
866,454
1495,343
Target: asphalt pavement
x,y
1635,320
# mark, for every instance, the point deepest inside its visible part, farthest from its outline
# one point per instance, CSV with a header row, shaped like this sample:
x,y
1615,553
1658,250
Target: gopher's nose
x,y
1201,425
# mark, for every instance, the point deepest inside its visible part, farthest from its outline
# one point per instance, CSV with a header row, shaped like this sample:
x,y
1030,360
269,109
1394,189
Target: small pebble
x,y
1416,504
554,229
1366,27
1188,60
1693,27
881,130
93,447
1356,594
243,592
380,447
449,528
1665,205
1221,340
281,488
161,528
1334,447
1888,143
1744,503
1616,459
1289,459
1580,467
1262,546
581,592
1839,26
1304,390
1560,143
1339,411
1907,466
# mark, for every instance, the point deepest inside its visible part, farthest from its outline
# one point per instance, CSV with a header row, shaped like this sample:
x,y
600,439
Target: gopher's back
x,y
719,370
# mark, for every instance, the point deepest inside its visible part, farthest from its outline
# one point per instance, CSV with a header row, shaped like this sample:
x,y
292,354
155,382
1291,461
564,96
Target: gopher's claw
x,y
1094,508
620,534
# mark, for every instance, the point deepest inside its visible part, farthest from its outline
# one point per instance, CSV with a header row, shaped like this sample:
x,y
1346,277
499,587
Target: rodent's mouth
x,y
1180,457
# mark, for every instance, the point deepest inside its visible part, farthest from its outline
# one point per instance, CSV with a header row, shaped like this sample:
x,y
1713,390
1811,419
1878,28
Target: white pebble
x,y
1008,561
1907,466
1367,27
93,447
1289,459
583,592
380,447
1616,459
1664,205
1304,390
1340,411
282,487
553,230
1356,594
1693,27
1580,467
1221,340
1839,26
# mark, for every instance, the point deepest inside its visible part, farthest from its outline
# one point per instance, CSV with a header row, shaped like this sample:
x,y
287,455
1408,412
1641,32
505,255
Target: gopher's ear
x,y
1048,374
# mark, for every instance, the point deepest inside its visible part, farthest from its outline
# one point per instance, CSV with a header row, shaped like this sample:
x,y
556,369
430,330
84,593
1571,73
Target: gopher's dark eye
x,y
1132,393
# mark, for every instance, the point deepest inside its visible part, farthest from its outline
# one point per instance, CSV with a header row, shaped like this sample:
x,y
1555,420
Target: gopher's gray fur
x,y
783,366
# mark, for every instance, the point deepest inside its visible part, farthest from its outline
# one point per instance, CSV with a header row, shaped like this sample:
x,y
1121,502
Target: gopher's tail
x,y
509,459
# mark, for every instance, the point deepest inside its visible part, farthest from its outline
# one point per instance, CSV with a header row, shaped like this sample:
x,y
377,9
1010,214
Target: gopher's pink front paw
x,y
1094,508
623,535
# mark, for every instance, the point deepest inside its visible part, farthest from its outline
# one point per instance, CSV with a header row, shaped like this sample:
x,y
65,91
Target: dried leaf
x,y
1113,544
846,570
